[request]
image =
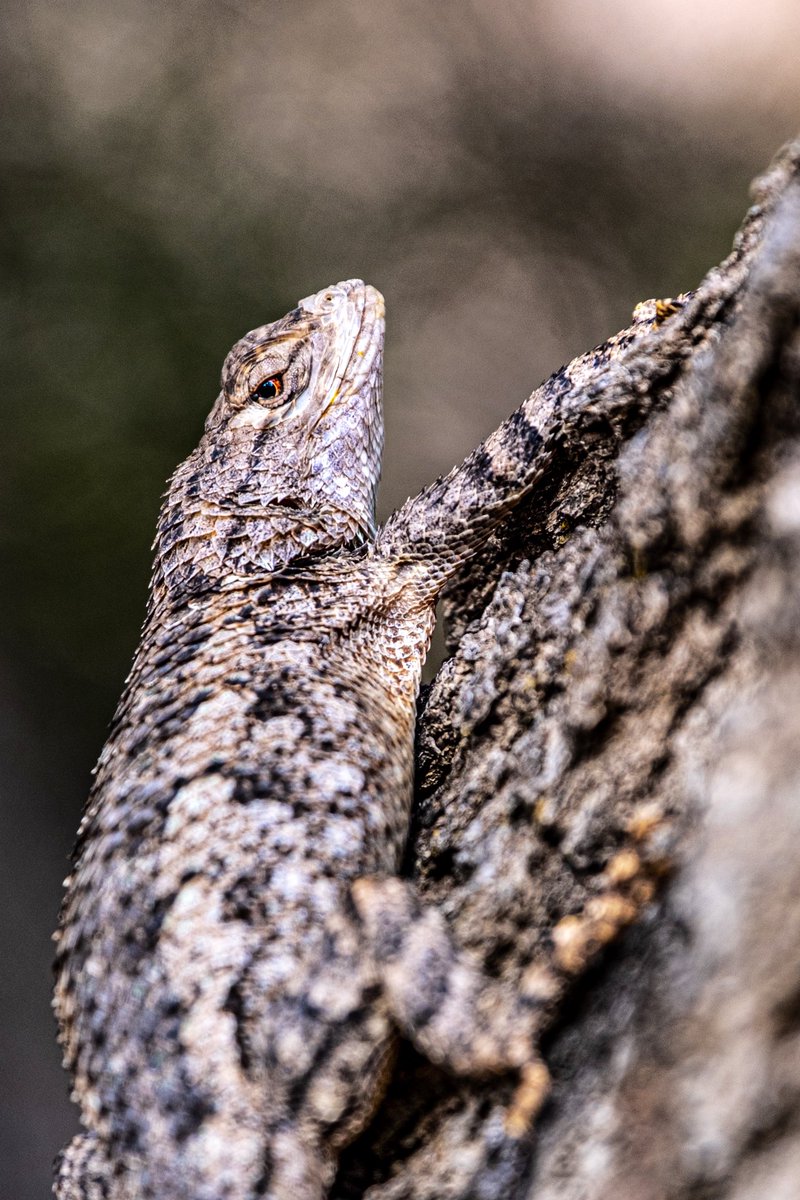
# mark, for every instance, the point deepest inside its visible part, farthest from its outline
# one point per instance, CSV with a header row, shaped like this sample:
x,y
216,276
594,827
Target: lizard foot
x,y
444,1003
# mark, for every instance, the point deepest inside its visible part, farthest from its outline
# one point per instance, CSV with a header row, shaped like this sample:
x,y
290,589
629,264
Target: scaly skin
x,y
234,955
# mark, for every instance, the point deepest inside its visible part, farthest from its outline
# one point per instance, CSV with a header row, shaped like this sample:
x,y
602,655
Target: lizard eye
x,y
268,389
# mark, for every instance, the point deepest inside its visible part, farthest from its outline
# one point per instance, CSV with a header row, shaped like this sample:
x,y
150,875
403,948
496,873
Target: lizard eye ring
x,y
269,389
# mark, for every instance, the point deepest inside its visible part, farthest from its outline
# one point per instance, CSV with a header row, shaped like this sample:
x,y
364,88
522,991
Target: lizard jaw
x,y
350,316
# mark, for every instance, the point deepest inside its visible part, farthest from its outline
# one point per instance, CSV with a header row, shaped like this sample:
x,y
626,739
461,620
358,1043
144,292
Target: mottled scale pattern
x,y
235,956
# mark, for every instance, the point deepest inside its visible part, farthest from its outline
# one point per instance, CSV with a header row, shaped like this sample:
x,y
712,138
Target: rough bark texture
x,y
633,638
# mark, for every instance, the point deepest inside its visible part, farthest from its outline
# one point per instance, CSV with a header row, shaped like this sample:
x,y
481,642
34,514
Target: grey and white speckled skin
x,y
235,954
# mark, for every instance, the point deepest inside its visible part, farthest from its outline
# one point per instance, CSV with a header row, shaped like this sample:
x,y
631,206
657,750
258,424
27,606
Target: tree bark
x,y
628,649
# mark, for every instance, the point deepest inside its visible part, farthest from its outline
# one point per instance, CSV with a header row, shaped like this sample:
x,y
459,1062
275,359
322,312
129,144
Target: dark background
x,y
514,177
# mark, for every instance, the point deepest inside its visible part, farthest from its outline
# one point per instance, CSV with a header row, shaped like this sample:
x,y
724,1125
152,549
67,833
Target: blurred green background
x,y
513,176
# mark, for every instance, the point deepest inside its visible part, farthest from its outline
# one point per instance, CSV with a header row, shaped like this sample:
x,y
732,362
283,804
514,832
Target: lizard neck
x,y
210,538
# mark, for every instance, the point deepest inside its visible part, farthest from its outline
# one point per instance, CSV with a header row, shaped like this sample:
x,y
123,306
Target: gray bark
x,y
633,639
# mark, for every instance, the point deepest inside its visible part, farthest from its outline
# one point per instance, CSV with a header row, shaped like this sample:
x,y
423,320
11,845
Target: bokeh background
x,y
513,175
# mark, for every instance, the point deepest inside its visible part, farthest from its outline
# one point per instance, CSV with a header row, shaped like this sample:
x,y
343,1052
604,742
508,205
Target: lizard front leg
x,y
433,534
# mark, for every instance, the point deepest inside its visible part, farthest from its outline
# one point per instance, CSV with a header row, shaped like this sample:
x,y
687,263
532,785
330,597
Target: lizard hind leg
x,y
445,1004
83,1171
294,1170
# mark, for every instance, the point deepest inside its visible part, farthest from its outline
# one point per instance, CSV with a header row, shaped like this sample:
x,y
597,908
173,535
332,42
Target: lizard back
x,y
211,986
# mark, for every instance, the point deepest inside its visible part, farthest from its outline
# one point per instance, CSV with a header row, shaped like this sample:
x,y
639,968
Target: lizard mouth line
x,y
363,346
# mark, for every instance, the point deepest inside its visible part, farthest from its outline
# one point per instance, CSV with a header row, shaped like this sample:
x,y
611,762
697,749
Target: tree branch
x,y
627,648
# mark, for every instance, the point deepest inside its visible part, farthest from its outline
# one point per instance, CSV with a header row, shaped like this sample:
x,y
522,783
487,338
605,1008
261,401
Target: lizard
x,y
237,954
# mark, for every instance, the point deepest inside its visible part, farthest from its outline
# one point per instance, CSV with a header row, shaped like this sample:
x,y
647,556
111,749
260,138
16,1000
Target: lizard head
x,y
303,396
290,458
